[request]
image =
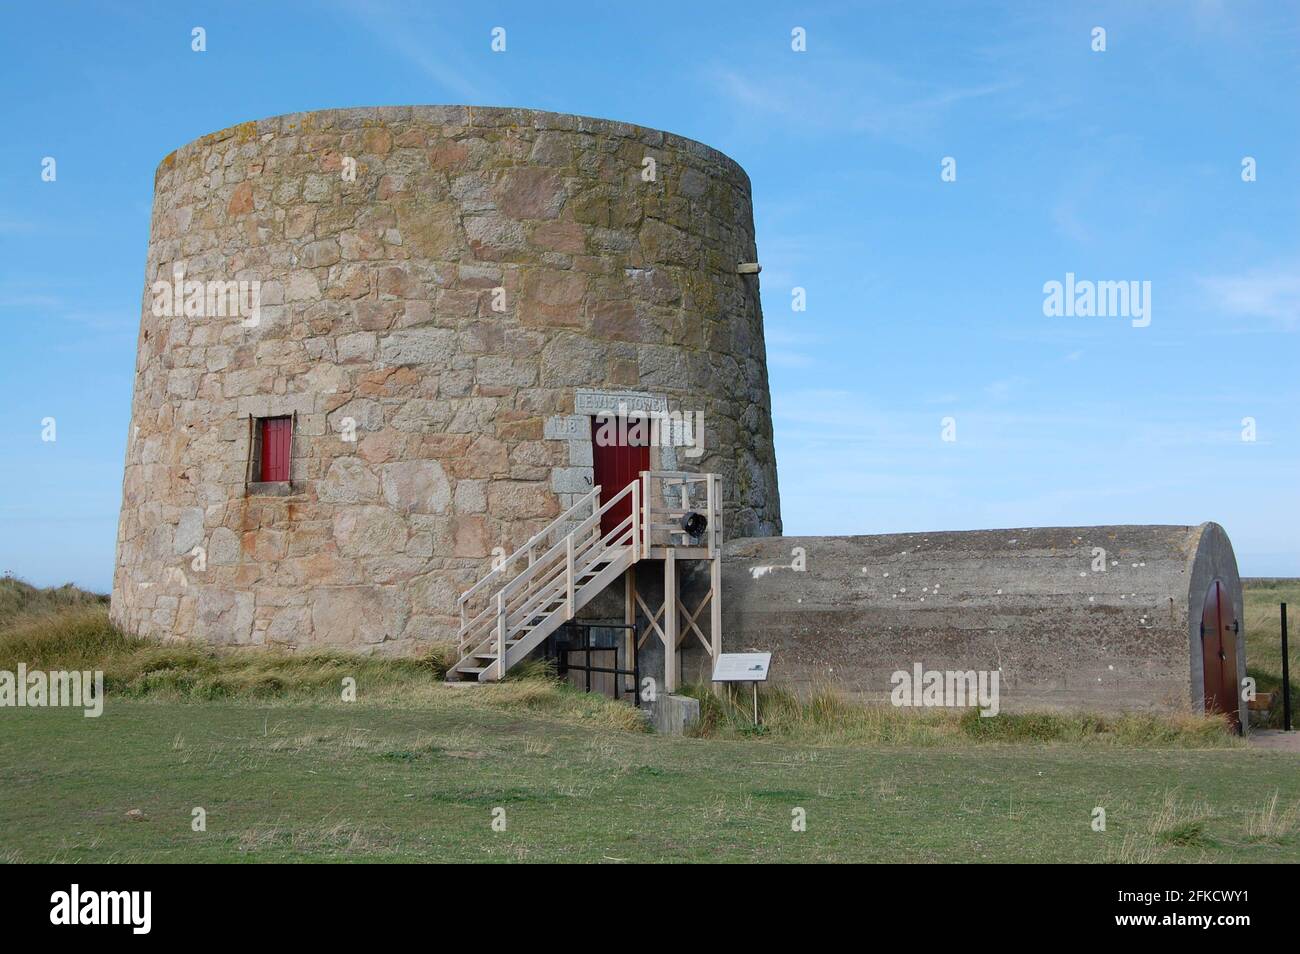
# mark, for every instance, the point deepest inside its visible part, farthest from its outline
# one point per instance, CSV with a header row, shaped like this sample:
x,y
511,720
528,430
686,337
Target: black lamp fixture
x,y
695,524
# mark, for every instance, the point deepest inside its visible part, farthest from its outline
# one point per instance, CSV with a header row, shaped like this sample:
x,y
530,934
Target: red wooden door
x,y
277,440
1219,653
618,455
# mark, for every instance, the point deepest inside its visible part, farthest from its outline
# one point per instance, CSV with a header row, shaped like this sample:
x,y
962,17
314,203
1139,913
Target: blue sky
x,y
924,297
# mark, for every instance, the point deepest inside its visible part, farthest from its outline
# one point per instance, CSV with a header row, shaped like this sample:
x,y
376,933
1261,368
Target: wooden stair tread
x,y
483,662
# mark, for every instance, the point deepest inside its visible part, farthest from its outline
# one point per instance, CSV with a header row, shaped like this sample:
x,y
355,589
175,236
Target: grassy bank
x,y
78,635
70,632
416,770
19,598
827,718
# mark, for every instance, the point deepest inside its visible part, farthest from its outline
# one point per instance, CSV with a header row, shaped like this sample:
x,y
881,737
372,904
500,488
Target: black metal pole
x,y
1286,676
636,668
618,682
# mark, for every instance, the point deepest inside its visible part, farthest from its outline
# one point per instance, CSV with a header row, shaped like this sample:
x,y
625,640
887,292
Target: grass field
x,y
416,770
379,783
1264,637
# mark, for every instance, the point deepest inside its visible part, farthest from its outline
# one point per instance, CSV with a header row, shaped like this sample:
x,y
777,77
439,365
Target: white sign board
x,y
742,667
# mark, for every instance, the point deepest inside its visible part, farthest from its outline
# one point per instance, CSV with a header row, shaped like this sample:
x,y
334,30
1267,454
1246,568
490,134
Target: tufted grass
x,y
827,718
75,633
65,628
18,597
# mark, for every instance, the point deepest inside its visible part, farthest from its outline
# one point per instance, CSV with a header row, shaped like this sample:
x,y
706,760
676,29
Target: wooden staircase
x,y
507,614
578,562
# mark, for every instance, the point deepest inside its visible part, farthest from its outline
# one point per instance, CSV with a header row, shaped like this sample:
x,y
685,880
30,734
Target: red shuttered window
x,y
277,442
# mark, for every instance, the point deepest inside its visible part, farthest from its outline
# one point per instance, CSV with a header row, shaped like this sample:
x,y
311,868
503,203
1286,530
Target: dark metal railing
x,y
575,637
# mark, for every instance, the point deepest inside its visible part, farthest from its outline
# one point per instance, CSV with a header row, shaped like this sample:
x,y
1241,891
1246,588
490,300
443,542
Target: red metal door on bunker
x,y
620,451
1219,653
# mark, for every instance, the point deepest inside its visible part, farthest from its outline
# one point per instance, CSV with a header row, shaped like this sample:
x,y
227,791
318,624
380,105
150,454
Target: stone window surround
x,y
571,482
276,407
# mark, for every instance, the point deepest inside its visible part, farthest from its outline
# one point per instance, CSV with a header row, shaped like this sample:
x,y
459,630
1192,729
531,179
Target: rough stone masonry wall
x,y
377,305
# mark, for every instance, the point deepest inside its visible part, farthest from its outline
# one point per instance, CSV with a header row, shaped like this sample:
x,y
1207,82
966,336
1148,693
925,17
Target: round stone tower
x,y
373,344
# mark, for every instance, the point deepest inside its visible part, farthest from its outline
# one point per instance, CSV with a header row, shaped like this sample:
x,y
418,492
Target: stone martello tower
x,y
372,345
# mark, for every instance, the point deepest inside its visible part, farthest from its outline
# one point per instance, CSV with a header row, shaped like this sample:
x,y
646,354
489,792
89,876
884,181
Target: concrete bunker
x,y
1074,618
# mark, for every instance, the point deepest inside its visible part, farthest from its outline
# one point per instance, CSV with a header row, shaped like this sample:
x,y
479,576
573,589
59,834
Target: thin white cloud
x,y
782,358
410,40
1005,388
25,300
1069,223
1271,293
789,348
854,96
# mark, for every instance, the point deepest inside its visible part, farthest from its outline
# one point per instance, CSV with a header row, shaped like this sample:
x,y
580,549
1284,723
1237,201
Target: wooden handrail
x,y
568,573
541,568
551,585
550,528
636,515
592,521
555,550
564,517
551,588
662,511
501,635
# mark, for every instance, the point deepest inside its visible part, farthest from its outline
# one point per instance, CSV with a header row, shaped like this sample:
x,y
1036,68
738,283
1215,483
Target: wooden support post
x,y
686,506
710,491
670,620
501,634
636,520
568,573
715,610
715,570
629,617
